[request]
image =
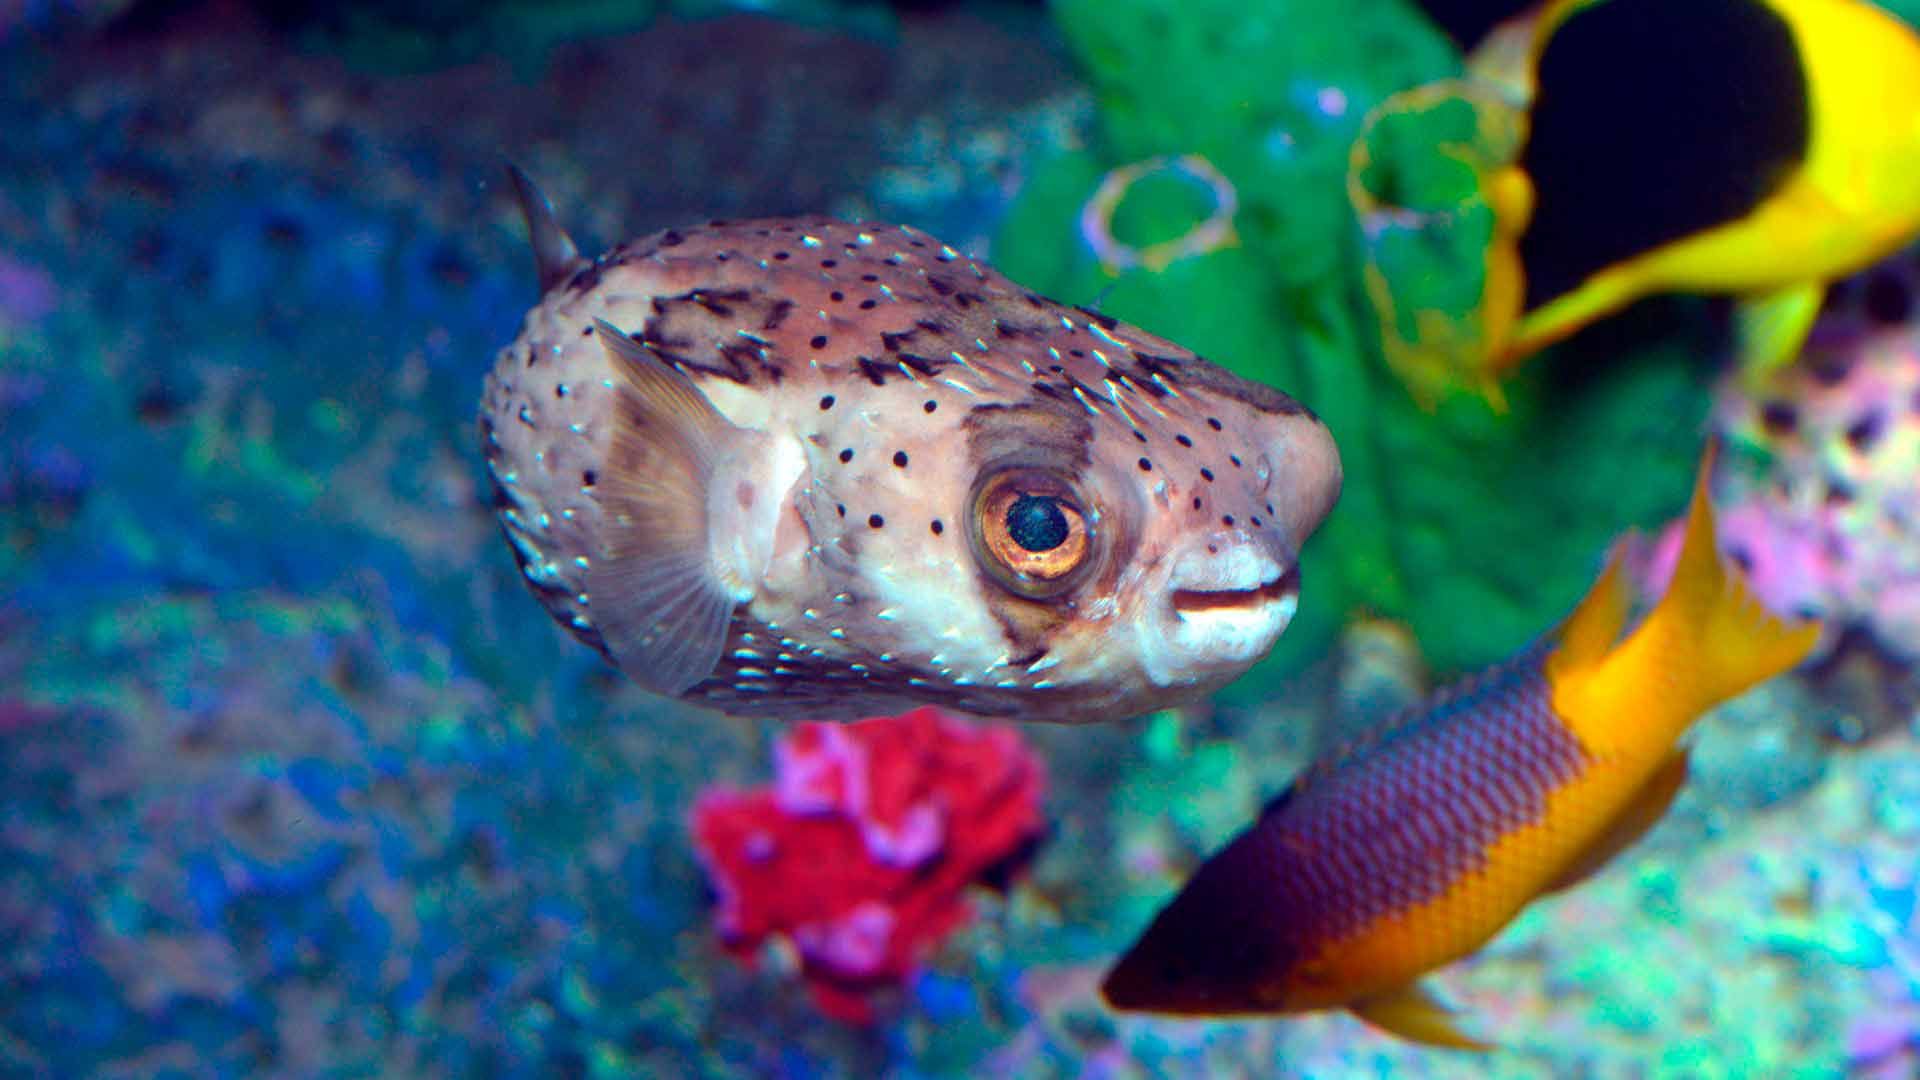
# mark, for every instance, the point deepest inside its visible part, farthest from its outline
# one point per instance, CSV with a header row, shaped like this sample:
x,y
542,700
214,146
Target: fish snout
x,y
1303,476
1226,598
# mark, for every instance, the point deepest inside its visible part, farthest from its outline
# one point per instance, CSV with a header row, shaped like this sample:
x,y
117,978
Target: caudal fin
x,y
1710,632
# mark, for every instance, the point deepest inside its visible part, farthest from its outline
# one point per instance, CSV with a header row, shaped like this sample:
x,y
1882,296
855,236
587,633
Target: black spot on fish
x,y
1887,300
826,403
899,459
836,296
875,521
846,455
1213,422
930,405
1183,441
1145,465
819,341
868,305
1779,418
1207,475
937,527
1864,432
589,478
1104,322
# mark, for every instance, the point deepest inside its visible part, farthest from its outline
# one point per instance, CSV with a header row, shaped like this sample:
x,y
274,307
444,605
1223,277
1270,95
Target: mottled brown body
x,y
892,377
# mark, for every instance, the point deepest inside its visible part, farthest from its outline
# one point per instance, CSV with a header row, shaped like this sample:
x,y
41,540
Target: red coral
x,y
861,851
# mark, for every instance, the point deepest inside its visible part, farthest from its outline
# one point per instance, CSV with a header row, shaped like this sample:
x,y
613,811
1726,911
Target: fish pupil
x,y
1036,523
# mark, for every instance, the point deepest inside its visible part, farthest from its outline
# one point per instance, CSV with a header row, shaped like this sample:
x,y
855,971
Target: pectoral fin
x,y
1411,1013
688,500
1649,805
1770,329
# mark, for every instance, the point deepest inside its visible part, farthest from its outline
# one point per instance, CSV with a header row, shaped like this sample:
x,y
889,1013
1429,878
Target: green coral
x,y
1479,527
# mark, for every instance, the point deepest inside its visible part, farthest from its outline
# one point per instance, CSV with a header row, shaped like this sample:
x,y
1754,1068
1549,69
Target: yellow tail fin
x,y
1717,638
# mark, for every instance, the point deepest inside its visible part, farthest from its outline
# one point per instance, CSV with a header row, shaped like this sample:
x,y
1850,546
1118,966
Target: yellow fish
x,y
1410,847
1760,148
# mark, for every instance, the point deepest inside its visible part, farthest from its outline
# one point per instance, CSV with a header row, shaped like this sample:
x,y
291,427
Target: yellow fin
x,y
653,590
1770,329
1412,1013
1709,638
1602,294
1647,806
1588,634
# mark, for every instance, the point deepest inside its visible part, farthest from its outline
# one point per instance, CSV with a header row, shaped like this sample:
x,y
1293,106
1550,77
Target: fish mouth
x,y
1283,589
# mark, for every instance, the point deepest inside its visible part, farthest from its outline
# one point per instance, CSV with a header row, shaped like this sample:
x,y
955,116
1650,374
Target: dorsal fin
x,y
1587,634
554,255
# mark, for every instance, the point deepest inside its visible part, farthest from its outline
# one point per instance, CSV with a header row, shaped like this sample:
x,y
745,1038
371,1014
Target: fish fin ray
x,y
653,590
1589,633
1641,813
1770,329
555,256
1719,629
1412,1013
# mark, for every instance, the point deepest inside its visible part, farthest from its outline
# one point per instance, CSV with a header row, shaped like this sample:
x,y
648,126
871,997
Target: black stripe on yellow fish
x,y
1653,120
1757,148
1410,847
803,467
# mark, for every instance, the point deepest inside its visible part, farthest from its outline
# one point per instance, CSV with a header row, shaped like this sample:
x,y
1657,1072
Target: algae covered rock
x,y
1476,522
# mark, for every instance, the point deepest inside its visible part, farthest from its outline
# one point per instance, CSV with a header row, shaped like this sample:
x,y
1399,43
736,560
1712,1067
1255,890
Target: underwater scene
x,y
848,538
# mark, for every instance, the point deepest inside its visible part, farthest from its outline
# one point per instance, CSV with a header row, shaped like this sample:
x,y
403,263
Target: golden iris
x,y
1030,532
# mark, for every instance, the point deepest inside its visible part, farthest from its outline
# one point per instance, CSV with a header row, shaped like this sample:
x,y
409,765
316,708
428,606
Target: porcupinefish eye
x,y
1030,532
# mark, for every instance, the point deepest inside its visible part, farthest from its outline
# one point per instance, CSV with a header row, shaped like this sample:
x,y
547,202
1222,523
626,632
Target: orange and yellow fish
x,y
1410,847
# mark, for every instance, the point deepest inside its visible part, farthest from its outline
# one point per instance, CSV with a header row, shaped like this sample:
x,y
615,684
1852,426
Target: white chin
x,y
1214,635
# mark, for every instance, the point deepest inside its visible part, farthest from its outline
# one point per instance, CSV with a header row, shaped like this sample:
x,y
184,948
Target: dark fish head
x,y
1217,950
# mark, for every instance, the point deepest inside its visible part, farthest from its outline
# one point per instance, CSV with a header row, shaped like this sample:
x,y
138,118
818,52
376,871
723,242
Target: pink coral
x,y
862,849
1819,486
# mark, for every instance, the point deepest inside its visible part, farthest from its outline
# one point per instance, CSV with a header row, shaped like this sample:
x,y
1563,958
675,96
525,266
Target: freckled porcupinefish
x,y
805,468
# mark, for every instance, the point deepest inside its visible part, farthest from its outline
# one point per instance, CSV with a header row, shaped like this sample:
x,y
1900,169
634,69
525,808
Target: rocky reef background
x,y
294,780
